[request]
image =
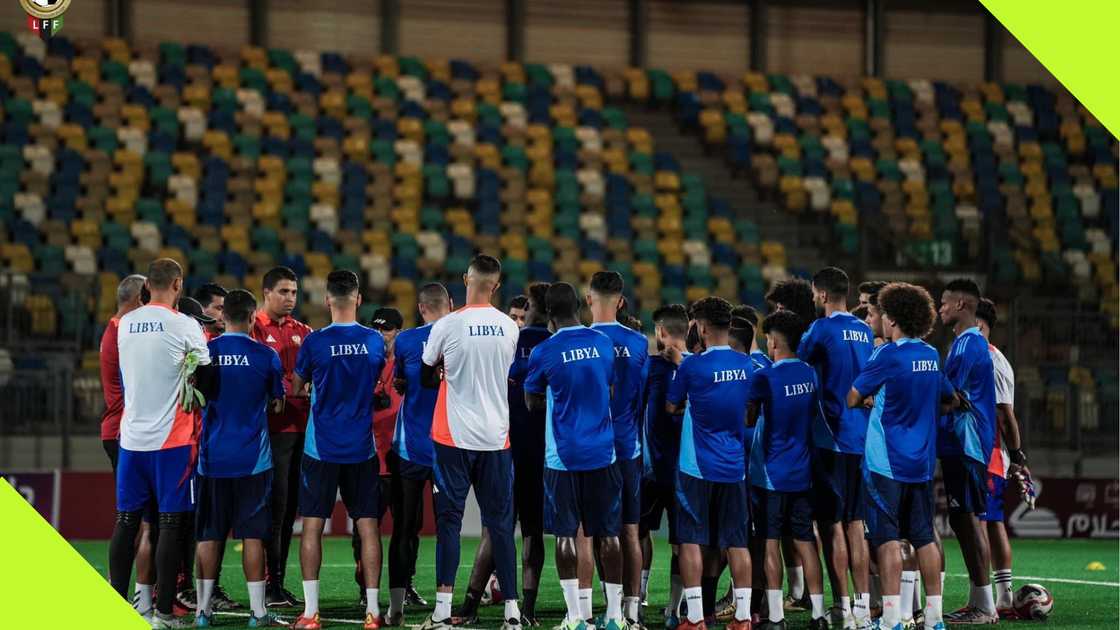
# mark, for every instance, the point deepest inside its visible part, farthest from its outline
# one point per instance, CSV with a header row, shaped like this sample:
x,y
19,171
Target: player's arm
x,y
875,373
757,395
431,361
678,388
536,381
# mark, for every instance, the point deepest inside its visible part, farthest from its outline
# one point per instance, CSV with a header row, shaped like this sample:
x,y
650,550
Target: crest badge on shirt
x,y
296,339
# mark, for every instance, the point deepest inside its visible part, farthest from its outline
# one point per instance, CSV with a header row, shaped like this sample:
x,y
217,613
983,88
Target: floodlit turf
x,y
1088,599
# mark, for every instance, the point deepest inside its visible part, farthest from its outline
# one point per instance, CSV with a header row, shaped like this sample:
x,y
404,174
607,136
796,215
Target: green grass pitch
x,y
1083,598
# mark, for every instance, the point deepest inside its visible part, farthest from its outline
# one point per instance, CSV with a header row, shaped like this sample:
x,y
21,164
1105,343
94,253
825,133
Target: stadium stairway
x,y
807,245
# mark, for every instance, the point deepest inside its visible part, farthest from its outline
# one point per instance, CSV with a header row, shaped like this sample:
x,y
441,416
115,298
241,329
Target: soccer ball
x,y
492,594
1033,601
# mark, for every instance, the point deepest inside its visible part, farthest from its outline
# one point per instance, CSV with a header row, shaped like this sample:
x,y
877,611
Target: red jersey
x,y
285,337
111,382
385,420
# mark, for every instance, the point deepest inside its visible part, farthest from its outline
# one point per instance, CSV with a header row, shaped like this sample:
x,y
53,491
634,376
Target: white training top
x,y
153,341
1005,377
476,344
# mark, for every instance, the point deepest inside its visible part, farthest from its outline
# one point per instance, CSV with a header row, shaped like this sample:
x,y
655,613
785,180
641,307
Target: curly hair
x,y
716,311
910,307
795,295
787,324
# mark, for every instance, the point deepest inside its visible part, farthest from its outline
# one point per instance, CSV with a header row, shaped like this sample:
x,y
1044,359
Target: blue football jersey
x,y
631,365
574,369
905,378
343,363
526,428
234,440
760,360
662,430
412,437
788,395
969,369
837,347
713,386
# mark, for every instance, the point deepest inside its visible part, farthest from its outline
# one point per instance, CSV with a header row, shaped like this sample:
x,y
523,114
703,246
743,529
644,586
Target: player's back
x,y
790,401
574,369
153,342
477,345
969,368
662,429
235,438
526,428
343,363
631,363
412,439
713,431
838,346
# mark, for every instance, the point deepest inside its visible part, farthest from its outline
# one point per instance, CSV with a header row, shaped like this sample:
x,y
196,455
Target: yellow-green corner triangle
x,y
44,579
1077,43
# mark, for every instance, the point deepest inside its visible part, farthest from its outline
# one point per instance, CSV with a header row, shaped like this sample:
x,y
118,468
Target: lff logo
x,y
44,17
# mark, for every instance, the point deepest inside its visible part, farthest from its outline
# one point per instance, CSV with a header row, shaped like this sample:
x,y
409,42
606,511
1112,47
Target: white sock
x,y
933,610
630,606
204,590
310,598
256,598
906,593
742,604
513,611
861,610
846,605
585,607
796,582
817,600
676,592
694,597
987,601
917,591
890,611
372,605
774,605
1004,594
144,604
396,601
571,598
443,606
942,582
645,584
614,601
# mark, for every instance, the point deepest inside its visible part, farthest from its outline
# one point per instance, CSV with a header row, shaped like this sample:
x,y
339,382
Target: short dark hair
x,y
631,321
860,312
796,295
747,312
519,301
871,287
239,306
833,281
606,283
562,301
206,293
538,296
787,324
276,274
673,318
986,310
341,283
433,294
162,272
486,264
910,306
714,311
742,330
964,285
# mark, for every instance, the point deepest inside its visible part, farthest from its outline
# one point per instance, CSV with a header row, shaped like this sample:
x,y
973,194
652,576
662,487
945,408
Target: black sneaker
x,y
820,623
187,598
277,596
413,598
220,601
529,621
361,597
770,625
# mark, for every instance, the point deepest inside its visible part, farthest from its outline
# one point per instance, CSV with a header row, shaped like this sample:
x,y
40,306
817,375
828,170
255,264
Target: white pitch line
x,y
1019,578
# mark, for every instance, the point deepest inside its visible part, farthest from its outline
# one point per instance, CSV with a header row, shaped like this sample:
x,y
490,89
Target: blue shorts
x,y
163,478
966,490
896,510
631,472
996,487
320,482
240,504
591,498
837,487
712,513
777,514
657,498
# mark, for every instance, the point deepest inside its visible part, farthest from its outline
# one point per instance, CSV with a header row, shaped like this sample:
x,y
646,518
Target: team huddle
x,y
763,442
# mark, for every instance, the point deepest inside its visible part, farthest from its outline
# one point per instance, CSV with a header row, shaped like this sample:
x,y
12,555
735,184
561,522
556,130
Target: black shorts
x,y
658,498
240,504
777,514
966,488
631,472
358,483
837,487
591,498
897,510
528,492
712,513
